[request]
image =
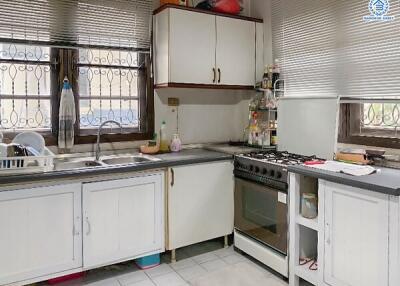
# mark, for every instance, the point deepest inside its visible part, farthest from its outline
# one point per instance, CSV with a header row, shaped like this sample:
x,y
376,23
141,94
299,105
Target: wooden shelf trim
x,y
166,6
205,86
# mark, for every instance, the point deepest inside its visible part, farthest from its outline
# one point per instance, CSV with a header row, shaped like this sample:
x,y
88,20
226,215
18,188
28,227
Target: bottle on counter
x,y
274,137
276,71
255,137
176,143
164,146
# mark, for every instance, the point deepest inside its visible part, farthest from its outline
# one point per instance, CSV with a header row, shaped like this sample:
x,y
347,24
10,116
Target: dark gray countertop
x,y
386,181
185,157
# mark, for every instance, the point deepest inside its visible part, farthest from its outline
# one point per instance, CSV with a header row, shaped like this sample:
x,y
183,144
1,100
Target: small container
x,y
309,205
148,261
176,143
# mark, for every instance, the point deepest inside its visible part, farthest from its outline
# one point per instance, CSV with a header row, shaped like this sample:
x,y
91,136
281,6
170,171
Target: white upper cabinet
x,y
197,49
356,237
192,47
235,52
122,219
40,232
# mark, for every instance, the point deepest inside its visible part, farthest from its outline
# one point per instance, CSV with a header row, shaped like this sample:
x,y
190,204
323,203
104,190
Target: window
x,y
374,123
107,62
25,97
327,48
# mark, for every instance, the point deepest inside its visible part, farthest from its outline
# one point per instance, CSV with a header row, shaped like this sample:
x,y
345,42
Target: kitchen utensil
x,y
16,150
31,139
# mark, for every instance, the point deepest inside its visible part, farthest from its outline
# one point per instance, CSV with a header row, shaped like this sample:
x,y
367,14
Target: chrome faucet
x,y
99,135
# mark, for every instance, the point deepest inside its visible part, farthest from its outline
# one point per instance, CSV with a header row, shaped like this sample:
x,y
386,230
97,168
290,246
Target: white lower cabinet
x,y
200,203
122,219
356,237
40,232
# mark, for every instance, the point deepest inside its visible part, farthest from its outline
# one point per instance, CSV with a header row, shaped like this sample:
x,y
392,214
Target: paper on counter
x,y
349,169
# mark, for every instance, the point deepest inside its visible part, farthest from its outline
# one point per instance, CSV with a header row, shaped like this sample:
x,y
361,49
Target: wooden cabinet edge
x,y
203,86
172,6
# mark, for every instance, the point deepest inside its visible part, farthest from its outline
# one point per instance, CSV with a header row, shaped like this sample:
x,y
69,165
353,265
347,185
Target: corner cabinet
x,y
193,48
356,236
40,232
122,219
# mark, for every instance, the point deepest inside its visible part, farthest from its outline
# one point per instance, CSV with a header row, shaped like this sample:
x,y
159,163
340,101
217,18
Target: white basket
x,y
27,164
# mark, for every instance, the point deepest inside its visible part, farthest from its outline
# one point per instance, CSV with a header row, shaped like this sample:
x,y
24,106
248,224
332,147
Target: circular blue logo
x,y
379,8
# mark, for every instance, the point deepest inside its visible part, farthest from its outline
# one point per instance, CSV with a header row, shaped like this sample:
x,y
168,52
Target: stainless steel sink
x,y
82,164
71,163
125,160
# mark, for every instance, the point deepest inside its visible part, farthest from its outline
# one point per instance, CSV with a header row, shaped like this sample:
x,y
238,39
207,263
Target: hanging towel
x,y
67,117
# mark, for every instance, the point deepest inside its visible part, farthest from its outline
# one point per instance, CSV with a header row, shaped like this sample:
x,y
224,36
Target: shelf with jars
x,y
263,112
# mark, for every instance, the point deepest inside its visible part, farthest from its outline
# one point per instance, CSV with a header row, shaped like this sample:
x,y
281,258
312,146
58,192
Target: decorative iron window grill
x,y
108,87
25,87
380,118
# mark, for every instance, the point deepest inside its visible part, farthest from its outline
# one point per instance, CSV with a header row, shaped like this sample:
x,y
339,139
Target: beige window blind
x,y
326,48
115,23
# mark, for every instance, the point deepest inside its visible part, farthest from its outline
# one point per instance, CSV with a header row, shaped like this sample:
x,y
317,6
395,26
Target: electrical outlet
x,y
173,101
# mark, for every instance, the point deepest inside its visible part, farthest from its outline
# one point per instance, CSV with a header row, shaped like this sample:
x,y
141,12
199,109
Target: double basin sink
x,y
116,160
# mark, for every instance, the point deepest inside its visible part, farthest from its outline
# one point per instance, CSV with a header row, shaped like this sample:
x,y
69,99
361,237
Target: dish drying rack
x,y
27,164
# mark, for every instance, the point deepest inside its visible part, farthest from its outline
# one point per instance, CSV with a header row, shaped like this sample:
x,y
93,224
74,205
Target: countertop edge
x,y
119,169
344,180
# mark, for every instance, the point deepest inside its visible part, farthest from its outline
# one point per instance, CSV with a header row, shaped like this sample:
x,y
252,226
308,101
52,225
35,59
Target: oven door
x,y
261,213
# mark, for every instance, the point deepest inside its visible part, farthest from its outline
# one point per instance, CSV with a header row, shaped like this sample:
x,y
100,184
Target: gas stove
x,y
261,205
268,167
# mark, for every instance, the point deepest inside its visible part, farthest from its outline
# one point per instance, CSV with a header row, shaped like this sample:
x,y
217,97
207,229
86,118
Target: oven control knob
x,y
251,168
272,173
257,169
279,175
265,171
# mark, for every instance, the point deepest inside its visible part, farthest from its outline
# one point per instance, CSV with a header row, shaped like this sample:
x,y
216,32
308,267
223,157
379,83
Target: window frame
x,y
349,119
65,66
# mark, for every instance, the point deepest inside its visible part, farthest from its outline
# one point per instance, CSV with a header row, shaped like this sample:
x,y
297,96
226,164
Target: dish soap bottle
x,y
164,146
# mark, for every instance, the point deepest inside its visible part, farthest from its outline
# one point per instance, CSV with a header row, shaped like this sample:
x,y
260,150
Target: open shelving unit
x,y
305,234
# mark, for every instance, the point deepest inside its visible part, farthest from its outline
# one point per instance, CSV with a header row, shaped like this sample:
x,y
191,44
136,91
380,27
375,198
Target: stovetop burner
x,y
281,158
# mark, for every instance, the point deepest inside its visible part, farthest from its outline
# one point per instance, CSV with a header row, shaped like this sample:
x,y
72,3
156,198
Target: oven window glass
x,y
260,215
260,209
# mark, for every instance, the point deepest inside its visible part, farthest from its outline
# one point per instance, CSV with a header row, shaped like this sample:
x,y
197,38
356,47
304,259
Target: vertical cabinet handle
x,y
219,75
172,177
215,75
89,227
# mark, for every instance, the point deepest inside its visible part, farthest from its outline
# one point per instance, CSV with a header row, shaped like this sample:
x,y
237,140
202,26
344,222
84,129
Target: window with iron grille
x,y
103,47
370,122
25,97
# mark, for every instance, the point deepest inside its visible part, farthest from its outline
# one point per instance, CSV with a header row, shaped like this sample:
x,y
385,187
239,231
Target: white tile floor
x,y
190,267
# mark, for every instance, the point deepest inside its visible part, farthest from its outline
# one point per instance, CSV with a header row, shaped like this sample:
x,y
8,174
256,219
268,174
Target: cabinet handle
x,y
172,177
215,75
219,75
89,227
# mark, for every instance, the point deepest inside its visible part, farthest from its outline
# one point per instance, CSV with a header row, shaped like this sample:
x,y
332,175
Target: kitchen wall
x,y
204,115
262,9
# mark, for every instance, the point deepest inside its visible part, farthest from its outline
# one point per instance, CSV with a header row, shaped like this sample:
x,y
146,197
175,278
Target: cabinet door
x,y
200,203
356,236
123,219
236,51
40,232
191,47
